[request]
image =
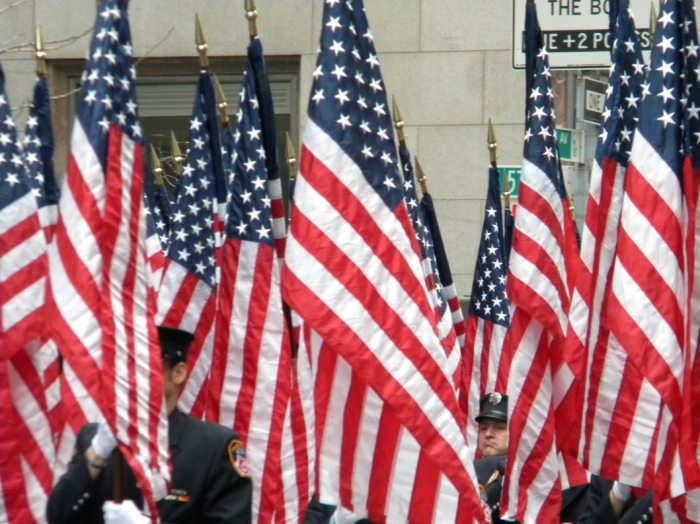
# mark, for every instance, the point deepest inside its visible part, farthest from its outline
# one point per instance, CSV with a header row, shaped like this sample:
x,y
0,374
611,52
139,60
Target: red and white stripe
x,y
251,369
25,480
298,443
370,330
647,297
186,302
538,292
631,403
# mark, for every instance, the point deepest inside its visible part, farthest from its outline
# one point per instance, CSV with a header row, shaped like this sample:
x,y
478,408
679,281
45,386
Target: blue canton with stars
x,y
540,146
488,300
108,93
249,214
623,95
439,254
669,99
691,77
423,233
348,99
14,183
39,147
192,241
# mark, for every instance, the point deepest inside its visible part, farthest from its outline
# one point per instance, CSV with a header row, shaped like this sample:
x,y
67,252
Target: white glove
x,y
124,513
103,443
621,491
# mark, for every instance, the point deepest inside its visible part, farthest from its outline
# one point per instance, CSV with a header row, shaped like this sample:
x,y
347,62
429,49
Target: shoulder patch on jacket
x,y
236,454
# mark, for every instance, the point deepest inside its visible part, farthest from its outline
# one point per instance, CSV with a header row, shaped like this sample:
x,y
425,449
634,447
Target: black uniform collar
x,y
176,423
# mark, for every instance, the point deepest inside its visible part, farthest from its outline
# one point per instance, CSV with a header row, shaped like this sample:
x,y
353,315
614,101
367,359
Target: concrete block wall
x,y
447,62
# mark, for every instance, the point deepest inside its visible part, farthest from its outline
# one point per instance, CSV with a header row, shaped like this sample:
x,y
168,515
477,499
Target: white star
x,y
183,254
544,132
337,47
254,214
200,267
318,96
198,143
334,23
625,79
180,234
693,111
249,165
632,100
189,190
342,96
548,152
104,123
629,44
359,79
535,93
379,109
91,97
254,133
691,49
539,112
32,122
201,164
111,57
386,158
195,124
646,89
389,183
241,228
339,72
344,121
638,68
665,68
194,209
365,127
667,118
254,102
136,129
625,135
177,217
667,18
367,152
491,212
246,196
361,102
666,93
375,85
12,179
528,134
381,133
665,44
318,72
263,232
259,183
372,61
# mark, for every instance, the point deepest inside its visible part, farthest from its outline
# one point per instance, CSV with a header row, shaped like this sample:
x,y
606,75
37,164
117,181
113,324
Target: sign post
x,y
576,32
594,92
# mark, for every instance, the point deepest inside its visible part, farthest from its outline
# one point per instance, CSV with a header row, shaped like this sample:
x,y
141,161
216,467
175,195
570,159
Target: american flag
x,y
351,269
25,477
447,288
102,307
489,316
613,384
187,296
538,291
38,150
649,298
161,213
251,368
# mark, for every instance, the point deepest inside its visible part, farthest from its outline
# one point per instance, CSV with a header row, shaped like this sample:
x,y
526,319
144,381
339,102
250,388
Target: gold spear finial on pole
x,y
652,22
201,42
156,167
422,179
221,102
40,53
291,158
493,146
251,14
398,121
177,155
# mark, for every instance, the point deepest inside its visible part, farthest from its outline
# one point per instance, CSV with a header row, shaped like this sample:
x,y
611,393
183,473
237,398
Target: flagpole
x,y
291,158
422,179
221,103
251,14
176,153
493,147
201,42
399,125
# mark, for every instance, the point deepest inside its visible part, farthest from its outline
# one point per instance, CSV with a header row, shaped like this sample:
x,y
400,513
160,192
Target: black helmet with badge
x,y
495,406
174,344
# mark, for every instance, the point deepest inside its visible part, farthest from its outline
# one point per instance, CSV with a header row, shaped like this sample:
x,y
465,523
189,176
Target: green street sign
x,y
513,179
570,143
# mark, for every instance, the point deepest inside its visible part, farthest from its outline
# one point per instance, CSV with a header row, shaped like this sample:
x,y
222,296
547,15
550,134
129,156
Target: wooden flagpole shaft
x,y
118,476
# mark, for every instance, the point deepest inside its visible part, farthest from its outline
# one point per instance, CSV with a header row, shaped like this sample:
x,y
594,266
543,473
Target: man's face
x,y
493,437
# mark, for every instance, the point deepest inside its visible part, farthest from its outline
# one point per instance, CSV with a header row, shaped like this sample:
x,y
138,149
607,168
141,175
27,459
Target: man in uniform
x,y
614,503
210,479
493,446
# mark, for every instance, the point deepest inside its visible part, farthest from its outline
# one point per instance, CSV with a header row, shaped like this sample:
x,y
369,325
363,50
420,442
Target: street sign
x,y
576,32
593,99
513,179
570,142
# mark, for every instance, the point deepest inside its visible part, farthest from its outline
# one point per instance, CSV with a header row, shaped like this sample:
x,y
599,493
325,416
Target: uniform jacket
x,y
489,474
206,487
598,509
